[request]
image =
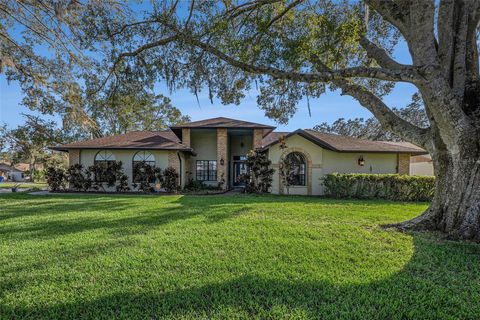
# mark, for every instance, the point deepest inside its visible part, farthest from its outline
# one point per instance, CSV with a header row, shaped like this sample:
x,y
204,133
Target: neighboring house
x,y
214,150
26,166
10,173
421,165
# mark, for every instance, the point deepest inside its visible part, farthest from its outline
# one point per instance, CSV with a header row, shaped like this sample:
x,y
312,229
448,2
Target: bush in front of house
x,y
170,180
379,186
259,176
94,177
78,178
145,175
55,178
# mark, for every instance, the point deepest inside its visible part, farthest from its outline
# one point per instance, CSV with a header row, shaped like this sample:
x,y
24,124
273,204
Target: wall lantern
x,y
222,162
361,161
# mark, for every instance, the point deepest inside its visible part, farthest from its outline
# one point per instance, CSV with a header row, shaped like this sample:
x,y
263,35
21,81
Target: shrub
x,y
170,180
105,174
145,175
122,185
197,185
380,186
78,178
55,178
258,178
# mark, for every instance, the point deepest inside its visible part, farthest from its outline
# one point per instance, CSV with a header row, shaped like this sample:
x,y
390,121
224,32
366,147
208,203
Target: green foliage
x,y
94,177
132,108
29,142
79,179
222,257
55,178
122,185
198,185
380,186
258,178
145,175
170,180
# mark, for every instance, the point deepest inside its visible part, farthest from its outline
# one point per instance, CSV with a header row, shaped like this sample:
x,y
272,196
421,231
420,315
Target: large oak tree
x,y
292,49
295,49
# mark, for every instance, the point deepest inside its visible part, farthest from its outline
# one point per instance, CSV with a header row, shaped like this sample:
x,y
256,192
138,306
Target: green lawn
x,y
22,185
149,257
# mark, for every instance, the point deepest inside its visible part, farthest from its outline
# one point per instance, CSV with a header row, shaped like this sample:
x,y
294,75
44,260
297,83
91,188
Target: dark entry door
x,y
239,168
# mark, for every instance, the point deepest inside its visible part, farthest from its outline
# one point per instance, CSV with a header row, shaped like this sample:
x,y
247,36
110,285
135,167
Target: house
x,y
10,173
214,150
421,165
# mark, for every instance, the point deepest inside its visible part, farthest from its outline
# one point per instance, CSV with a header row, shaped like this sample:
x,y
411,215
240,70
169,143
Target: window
x,y
299,167
105,158
138,159
207,170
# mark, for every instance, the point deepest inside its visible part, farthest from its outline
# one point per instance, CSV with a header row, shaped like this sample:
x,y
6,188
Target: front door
x,y
239,168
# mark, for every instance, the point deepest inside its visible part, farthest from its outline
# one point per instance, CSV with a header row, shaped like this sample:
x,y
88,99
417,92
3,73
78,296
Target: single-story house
x,y
421,165
214,150
10,173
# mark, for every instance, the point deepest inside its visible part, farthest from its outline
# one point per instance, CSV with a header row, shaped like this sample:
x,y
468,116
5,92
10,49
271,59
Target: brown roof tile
x,y
160,140
222,122
349,144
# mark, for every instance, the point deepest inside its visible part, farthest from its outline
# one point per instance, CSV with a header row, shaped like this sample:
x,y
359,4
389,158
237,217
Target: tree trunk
x,y
455,208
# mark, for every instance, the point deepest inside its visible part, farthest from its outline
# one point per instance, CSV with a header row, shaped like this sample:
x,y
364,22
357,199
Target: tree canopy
x,y
288,51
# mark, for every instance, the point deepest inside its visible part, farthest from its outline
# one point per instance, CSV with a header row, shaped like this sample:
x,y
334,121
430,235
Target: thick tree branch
x,y
408,74
380,55
388,119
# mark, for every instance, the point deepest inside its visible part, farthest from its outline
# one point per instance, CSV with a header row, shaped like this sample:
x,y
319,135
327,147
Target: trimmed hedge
x,y
379,186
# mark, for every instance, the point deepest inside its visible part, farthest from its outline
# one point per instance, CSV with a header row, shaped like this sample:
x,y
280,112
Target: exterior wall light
x,y
361,161
222,162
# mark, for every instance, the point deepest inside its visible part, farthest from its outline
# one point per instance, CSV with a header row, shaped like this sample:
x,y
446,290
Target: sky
x,y
328,108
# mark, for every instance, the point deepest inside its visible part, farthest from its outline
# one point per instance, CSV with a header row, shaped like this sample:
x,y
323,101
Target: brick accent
x,y
403,163
222,153
257,138
73,156
186,137
173,161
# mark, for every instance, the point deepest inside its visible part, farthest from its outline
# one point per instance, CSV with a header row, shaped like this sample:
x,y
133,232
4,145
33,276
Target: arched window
x,y
140,158
103,158
298,168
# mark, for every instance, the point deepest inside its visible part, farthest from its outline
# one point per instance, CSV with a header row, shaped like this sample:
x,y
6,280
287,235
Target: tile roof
x,y
160,140
222,122
349,144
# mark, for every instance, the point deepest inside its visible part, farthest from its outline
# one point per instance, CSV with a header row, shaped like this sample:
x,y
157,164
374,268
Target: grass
x,y
149,257
22,185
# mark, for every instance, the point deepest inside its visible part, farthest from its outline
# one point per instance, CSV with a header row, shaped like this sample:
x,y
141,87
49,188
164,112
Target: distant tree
x,y
372,129
29,142
122,112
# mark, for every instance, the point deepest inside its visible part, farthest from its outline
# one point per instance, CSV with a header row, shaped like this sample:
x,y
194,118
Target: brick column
x,y
186,137
222,145
173,161
73,156
403,163
257,138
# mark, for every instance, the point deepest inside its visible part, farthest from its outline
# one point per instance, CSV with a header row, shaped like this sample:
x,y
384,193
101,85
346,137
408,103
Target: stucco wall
x,y
314,152
204,142
324,161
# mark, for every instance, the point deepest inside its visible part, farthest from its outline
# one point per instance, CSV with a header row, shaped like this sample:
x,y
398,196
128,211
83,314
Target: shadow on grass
x,y
65,212
433,285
